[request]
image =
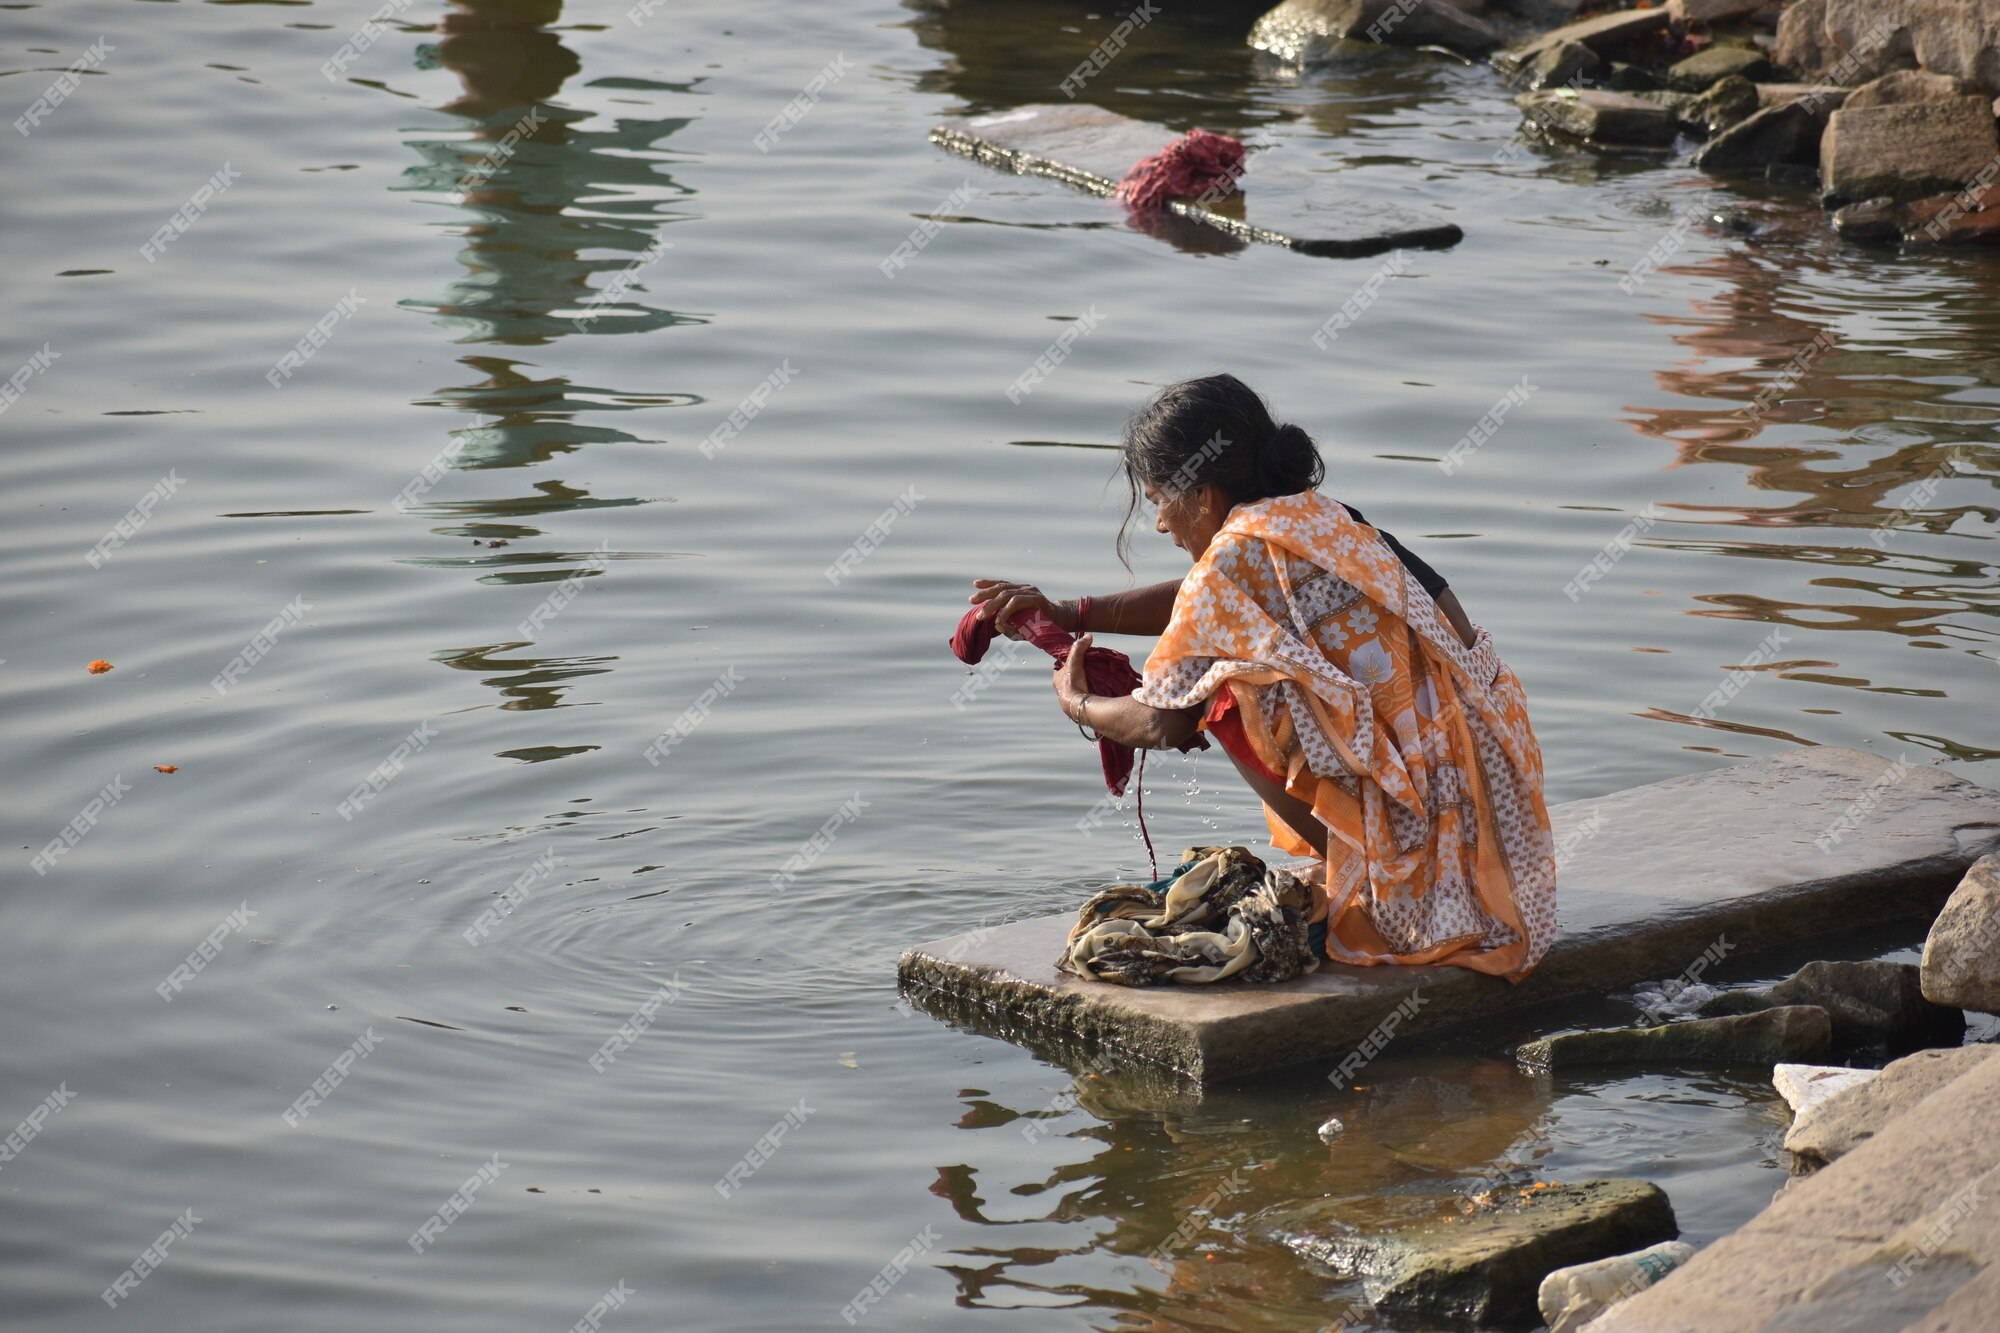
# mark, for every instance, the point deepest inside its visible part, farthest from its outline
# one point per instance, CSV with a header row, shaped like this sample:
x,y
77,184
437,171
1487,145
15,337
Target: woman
x,y
1377,724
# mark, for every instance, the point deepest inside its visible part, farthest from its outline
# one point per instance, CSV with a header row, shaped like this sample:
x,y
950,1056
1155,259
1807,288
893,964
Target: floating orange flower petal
x,y
99,667
166,768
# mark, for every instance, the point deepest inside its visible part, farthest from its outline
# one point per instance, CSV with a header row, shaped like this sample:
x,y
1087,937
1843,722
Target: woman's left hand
x,y
1072,685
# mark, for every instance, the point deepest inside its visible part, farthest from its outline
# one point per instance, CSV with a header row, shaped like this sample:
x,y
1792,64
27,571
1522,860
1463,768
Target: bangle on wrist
x,y
1083,615
1082,708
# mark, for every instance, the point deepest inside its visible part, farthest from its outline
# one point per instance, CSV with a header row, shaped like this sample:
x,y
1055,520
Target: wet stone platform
x,y
1756,857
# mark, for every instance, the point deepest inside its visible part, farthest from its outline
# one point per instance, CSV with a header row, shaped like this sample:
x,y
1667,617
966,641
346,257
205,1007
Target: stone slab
x,y
1091,149
1806,1086
1891,1236
1760,855
1832,1128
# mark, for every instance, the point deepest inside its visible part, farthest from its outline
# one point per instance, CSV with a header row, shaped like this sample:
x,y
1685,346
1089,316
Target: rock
x,y
1787,133
1906,150
1619,33
1712,11
1946,221
1906,85
1290,30
1853,41
1777,94
1805,1086
1849,1118
1872,1002
1600,116
1878,1240
1703,68
1726,102
1872,221
1792,1033
1962,954
1487,1267
1624,78
1792,175
1565,63
1733,1002
1545,14
1802,45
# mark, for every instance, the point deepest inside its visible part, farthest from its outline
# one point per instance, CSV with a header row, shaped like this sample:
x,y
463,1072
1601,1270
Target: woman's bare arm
x,y
1447,601
1135,611
1120,717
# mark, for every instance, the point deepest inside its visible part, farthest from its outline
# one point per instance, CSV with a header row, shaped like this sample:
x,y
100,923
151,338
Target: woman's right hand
x,y
1001,602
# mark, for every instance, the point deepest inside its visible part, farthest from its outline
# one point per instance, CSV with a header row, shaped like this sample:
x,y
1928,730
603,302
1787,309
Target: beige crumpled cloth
x,y
1227,915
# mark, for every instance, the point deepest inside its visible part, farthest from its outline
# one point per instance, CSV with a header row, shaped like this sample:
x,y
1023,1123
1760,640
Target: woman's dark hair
x,y
1214,429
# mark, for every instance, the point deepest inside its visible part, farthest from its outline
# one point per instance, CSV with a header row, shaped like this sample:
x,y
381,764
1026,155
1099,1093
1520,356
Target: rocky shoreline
x,y
1885,108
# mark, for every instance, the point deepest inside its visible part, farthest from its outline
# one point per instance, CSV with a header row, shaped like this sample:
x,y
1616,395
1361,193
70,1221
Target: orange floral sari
x,y
1414,750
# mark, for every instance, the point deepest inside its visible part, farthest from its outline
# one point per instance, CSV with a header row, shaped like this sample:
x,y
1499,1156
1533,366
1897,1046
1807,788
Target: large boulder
x,y
1853,41
1795,1034
1612,36
1852,1116
1599,116
1297,29
1704,68
1787,132
1487,1267
1962,955
1906,150
1906,85
1871,1002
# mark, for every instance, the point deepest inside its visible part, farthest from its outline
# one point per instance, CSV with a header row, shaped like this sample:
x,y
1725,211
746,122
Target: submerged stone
x,y
1487,1267
1791,1033
1600,116
1872,221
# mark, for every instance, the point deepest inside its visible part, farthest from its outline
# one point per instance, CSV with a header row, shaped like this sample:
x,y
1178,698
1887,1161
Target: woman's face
x,y
1191,517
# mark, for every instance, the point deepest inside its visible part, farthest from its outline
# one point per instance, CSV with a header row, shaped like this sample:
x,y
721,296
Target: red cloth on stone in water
x,y
1107,670
1183,169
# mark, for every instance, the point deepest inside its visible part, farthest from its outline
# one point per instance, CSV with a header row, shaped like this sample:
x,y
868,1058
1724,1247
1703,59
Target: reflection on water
x,y
562,226
1174,1209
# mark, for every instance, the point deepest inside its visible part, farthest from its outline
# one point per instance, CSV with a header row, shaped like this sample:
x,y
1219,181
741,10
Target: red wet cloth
x,y
1107,671
1184,169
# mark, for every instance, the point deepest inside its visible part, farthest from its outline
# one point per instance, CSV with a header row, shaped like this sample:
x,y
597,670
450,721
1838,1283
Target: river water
x,y
495,563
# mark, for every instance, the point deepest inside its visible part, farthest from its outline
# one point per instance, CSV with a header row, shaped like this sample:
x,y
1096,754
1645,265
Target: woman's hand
x,y
1072,685
1001,602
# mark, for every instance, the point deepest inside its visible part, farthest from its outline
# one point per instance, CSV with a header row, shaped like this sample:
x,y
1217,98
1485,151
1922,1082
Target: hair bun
x,y
1289,462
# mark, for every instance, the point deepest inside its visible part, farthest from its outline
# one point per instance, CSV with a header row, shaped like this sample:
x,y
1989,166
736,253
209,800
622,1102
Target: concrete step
x,y
1732,863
